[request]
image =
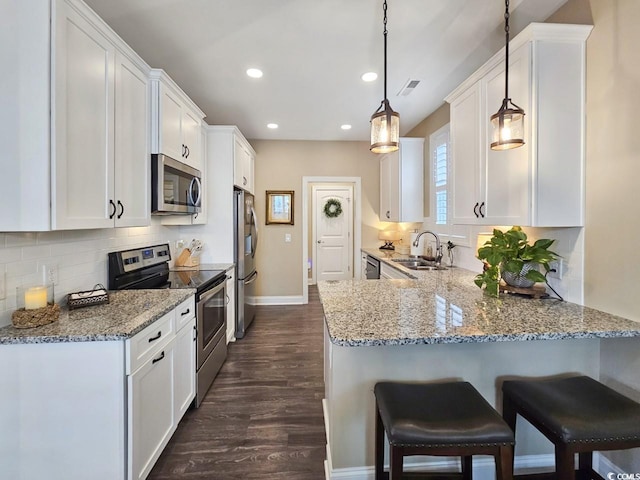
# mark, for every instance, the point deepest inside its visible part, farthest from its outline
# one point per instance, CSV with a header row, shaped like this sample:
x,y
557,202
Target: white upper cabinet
x,y
176,121
86,169
243,164
402,182
539,184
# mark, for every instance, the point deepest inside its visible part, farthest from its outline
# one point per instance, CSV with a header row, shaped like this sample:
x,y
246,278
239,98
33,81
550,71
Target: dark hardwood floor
x,y
262,418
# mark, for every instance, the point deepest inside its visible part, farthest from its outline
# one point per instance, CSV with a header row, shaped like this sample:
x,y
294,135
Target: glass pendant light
x,y
385,123
508,124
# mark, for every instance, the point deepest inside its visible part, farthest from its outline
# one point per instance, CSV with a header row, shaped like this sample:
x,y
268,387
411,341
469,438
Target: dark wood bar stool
x,y
578,414
441,419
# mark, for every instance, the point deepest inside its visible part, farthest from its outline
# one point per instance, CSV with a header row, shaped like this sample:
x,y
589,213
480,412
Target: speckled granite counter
x,y
446,307
127,313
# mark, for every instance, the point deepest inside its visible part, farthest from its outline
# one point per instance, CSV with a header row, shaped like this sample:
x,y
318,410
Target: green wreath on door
x,y
333,208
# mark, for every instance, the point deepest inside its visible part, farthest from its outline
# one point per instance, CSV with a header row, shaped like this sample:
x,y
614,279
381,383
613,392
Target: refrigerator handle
x,y
254,224
251,279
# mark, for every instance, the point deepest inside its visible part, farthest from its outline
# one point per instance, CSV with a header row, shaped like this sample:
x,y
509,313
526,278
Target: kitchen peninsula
x,y
440,326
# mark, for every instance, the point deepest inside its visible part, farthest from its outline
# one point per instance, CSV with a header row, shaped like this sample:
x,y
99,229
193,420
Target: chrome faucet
x,y
416,243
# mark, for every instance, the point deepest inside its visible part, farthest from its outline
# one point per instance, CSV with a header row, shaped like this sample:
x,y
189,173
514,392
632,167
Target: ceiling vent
x,y
408,87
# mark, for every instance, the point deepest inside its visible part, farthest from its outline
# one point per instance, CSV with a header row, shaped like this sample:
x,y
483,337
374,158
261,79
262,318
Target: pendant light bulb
x,y
385,123
507,125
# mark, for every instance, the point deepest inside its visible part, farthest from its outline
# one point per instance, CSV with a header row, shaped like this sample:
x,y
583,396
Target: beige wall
x,y
612,256
280,165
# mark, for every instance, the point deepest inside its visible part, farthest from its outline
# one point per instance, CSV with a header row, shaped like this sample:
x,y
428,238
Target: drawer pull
x,y
186,312
153,339
156,360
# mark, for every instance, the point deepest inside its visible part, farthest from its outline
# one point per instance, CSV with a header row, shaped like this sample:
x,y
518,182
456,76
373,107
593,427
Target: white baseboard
x,y
280,300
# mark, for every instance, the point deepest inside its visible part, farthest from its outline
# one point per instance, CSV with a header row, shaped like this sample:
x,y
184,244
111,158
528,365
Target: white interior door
x,y
333,236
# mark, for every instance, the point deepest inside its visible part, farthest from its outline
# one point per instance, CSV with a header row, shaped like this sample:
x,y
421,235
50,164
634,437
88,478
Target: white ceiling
x,y
313,53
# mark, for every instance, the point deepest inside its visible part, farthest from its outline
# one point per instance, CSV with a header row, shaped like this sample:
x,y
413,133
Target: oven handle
x,y
211,292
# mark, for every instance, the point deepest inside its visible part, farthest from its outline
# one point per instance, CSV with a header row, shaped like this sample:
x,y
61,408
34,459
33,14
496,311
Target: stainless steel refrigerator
x,y
246,241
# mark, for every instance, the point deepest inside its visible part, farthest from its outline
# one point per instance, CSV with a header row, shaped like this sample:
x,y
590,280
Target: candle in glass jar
x,y
35,297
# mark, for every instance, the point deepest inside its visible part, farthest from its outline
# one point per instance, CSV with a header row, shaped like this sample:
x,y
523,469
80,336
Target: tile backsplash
x,y
80,257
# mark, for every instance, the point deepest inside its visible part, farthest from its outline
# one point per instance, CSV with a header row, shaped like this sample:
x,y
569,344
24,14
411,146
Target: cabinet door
x,y
131,145
389,187
151,411
506,181
240,162
231,304
191,139
466,156
170,124
185,369
83,90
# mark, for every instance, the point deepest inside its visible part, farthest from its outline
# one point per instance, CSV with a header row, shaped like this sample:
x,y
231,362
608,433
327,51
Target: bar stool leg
x,y
585,462
379,445
395,463
504,463
565,463
467,467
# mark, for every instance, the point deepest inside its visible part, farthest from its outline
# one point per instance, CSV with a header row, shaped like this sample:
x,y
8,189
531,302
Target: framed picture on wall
x,y
279,207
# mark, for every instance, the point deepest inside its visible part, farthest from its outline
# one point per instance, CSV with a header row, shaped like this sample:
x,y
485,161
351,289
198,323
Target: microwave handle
x,y
195,180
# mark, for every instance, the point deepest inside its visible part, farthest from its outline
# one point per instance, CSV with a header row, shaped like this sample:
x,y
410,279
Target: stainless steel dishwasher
x,y
373,268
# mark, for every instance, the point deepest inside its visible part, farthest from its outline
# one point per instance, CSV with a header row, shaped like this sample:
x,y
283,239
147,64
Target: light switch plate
x,y
287,238
3,285
558,267
50,274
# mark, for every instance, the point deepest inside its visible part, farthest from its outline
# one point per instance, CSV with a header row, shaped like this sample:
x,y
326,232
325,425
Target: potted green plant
x,y
509,256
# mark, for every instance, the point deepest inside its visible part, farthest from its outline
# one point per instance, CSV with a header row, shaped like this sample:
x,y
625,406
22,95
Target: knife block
x,y
186,259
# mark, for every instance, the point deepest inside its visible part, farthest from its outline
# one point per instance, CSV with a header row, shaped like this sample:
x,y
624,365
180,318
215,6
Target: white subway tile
x,y
35,252
12,254
20,239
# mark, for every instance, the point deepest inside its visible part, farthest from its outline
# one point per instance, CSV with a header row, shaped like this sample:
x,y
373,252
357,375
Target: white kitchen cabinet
x,y
151,410
231,304
175,121
199,218
85,170
542,183
389,272
401,182
243,164
184,380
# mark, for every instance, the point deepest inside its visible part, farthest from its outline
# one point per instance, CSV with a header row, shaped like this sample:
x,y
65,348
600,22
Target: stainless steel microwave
x,y
176,188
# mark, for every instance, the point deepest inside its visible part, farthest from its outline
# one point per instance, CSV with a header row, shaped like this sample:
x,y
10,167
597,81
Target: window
x,y
441,190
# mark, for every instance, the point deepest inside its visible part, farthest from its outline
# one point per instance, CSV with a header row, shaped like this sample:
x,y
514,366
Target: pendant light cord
x,y
384,32
506,71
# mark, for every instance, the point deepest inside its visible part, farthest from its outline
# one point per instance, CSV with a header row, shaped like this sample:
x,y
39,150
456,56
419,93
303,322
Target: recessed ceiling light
x,y
369,76
272,126
345,127
254,73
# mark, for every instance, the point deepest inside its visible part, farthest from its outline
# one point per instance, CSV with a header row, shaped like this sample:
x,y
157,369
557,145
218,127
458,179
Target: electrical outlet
x,y
179,244
558,267
287,238
50,274
3,285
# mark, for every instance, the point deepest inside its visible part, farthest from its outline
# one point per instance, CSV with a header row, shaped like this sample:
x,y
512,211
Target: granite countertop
x,y
445,306
127,313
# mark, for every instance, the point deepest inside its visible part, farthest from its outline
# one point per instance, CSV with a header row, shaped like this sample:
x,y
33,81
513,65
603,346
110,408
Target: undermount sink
x,y
418,264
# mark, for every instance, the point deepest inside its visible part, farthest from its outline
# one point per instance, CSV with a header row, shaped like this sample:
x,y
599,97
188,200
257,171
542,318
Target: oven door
x,y
211,319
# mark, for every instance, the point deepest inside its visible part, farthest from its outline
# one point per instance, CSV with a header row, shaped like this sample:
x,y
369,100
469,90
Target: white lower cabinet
x,y
231,304
389,272
161,389
151,410
104,407
184,380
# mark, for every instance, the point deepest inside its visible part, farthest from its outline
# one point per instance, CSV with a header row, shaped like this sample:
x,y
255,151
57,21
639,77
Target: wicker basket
x,y
97,296
37,317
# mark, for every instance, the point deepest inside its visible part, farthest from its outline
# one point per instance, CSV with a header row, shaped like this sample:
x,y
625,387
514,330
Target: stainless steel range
x,y
148,268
